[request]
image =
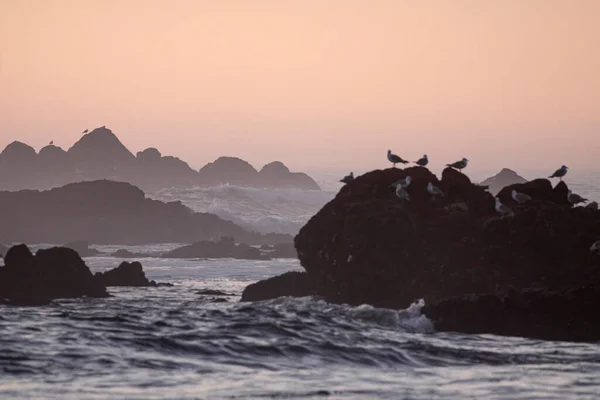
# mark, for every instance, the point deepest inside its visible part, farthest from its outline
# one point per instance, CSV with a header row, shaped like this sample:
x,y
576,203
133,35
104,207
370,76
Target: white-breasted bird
x,y
559,173
595,247
459,165
401,193
593,205
502,209
404,183
575,199
520,197
394,159
423,161
348,178
434,190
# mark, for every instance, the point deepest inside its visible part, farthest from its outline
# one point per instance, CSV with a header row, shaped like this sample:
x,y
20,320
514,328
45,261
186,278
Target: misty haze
x,y
299,199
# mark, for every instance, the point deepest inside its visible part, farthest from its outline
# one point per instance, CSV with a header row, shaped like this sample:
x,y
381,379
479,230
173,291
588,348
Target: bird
x,y
394,159
86,131
593,205
423,161
434,190
520,197
459,165
575,199
401,193
595,247
502,209
559,173
403,183
51,142
348,178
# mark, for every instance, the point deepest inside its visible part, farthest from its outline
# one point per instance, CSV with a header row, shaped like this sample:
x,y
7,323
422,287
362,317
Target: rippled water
x,y
174,342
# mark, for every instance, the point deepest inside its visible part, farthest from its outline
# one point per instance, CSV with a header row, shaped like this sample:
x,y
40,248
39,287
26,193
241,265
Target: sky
x,y
316,84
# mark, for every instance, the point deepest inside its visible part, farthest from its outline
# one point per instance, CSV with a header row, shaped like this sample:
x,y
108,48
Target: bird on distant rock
x,y
559,173
502,209
595,247
459,165
86,131
348,178
423,161
434,190
394,159
575,199
401,193
593,205
403,183
51,142
520,197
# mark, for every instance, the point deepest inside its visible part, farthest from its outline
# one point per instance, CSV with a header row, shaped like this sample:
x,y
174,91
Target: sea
x,y
196,340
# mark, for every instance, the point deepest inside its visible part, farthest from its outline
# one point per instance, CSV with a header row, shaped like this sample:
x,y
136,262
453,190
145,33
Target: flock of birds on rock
x,y
434,191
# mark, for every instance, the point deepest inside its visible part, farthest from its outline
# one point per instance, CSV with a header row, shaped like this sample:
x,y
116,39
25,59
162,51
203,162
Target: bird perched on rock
x,y
394,159
593,205
520,197
459,165
401,193
434,190
575,199
403,183
423,161
52,143
595,247
502,209
559,173
86,131
348,178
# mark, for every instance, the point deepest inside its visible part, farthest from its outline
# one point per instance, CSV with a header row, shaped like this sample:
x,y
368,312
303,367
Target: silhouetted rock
x,y
277,175
82,247
224,248
126,274
502,179
212,292
156,172
18,167
52,273
124,253
105,212
292,284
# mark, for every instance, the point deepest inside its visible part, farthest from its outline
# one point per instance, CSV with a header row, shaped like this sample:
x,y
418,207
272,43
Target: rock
x,y
228,170
18,167
284,250
277,175
126,274
212,292
502,179
82,247
224,248
53,273
123,253
293,284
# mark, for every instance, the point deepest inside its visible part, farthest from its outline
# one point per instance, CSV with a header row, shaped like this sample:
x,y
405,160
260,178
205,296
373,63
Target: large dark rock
x,y
225,247
293,284
106,212
502,179
53,273
126,274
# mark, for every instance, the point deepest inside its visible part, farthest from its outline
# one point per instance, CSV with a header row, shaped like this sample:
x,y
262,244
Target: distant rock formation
x,y
292,284
105,212
225,247
502,179
126,274
99,154
82,248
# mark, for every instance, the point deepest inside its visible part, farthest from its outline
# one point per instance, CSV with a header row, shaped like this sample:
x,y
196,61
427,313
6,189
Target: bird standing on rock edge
x,y
559,173
348,178
459,165
575,199
394,159
423,161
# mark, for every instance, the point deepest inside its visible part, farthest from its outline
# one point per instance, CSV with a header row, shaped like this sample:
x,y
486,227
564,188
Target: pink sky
x,y
315,84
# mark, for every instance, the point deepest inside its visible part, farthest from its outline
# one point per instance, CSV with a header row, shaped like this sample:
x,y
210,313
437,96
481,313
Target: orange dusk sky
x,y
316,84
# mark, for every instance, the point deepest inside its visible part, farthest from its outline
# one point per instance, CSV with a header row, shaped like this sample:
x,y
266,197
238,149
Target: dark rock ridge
x,y
99,155
292,284
504,178
82,247
367,246
106,212
225,247
54,273
126,274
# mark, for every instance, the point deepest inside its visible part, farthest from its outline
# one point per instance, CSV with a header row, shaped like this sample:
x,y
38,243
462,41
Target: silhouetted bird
x,y
86,131
51,142
394,159
423,161
348,178
559,173
459,165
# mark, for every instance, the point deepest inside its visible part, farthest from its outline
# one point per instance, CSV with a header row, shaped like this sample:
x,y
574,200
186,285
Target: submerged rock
x,y
53,273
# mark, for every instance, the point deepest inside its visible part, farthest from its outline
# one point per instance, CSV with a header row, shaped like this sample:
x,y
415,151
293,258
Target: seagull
x,y
86,131
520,197
423,161
595,247
403,183
459,165
348,178
559,173
51,142
593,205
434,190
575,199
395,159
502,209
401,193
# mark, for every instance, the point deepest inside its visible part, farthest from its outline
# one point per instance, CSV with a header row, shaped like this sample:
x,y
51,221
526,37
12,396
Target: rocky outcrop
x,y
225,247
292,284
106,212
502,179
82,247
54,273
99,155
124,253
126,274
368,246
